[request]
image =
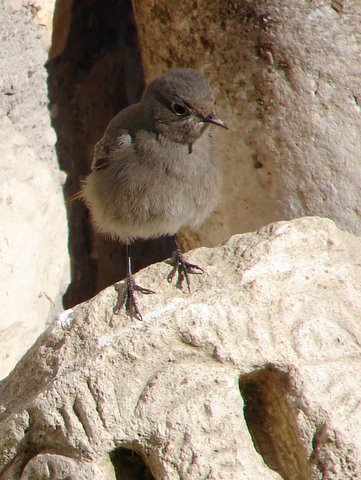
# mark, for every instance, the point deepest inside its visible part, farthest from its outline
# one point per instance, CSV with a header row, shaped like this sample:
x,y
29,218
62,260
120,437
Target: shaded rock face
x,y
33,238
255,374
287,82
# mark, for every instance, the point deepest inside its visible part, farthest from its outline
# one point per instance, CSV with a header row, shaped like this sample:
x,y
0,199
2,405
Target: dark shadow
x,y
128,465
272,423
97,74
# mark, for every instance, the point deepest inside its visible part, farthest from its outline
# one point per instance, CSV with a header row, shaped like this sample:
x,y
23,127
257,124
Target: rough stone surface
x,y
288,82
254,375
33,241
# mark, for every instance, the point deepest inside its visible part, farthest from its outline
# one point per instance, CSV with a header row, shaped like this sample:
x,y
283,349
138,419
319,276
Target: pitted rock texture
x,y
33,241
253,375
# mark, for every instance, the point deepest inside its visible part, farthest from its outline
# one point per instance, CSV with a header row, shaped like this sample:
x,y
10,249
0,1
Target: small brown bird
x,y
155,169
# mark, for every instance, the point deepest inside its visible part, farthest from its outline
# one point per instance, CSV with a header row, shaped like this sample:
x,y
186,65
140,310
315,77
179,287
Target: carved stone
x,y
254,375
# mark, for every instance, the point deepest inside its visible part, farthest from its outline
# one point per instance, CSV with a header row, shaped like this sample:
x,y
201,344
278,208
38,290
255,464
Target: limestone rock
x,y
254,375
288,84
33,240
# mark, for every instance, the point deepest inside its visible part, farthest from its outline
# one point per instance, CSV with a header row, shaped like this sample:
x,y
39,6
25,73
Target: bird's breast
x,y
179,186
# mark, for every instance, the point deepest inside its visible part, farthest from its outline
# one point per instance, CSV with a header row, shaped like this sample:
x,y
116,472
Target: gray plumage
x,y
155,169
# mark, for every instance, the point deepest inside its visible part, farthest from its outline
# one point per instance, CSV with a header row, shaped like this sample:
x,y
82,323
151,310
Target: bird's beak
x,y
211,118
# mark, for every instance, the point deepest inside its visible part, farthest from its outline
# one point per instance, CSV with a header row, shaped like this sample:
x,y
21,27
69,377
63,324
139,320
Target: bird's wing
x,y
111,149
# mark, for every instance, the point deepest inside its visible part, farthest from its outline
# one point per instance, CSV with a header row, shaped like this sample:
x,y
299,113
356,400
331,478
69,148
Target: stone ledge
x,y
255,374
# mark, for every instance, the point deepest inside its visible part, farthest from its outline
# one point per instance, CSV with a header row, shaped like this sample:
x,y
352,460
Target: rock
x,y
288,85
255,374
33,240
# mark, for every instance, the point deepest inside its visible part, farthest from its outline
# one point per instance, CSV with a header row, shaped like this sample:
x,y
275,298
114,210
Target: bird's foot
x,y
183,269
128,298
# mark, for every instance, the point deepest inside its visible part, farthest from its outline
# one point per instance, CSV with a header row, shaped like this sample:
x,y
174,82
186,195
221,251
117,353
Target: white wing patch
x,y
119,147
124,140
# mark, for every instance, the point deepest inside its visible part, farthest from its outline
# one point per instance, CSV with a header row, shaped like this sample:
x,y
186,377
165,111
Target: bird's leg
x,y
131,287
182,267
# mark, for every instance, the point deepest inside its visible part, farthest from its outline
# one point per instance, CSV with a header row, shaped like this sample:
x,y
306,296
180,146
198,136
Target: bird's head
x,y
180,104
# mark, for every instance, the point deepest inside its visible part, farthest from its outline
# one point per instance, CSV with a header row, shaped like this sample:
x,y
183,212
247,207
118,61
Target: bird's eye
x,y
179,109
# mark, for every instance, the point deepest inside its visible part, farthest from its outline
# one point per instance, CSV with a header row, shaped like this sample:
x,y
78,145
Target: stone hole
x,y
129,465
272,424
95,75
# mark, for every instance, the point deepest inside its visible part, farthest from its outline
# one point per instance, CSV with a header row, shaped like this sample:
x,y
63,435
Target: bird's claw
x,y
128,298
183,269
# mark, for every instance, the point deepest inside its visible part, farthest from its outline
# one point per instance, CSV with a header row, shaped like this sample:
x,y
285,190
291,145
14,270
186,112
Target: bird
x,y
155,170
